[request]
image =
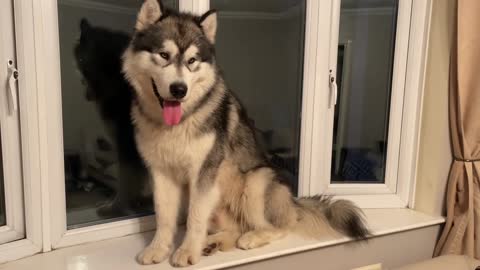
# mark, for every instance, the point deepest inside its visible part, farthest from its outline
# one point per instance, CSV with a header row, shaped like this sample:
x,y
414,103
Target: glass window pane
x,y
364,77
260,49
105,178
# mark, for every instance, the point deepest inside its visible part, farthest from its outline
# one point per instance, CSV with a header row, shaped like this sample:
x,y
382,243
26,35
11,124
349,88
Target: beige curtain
x,y
461,234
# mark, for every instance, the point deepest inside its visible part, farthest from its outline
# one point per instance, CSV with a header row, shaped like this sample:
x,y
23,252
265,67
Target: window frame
x,y
32,202
14,228
43,136
405,112
395,114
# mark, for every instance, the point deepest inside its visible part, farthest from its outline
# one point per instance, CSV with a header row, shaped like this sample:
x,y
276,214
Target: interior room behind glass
x,y
364,78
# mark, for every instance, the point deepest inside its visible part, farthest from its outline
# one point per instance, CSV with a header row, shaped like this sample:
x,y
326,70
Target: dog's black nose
x,y
178,90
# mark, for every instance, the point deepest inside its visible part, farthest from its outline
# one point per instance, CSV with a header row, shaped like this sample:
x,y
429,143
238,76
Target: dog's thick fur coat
x,y
210,158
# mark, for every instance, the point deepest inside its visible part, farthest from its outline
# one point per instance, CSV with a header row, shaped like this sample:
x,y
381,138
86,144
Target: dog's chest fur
x,y
178,151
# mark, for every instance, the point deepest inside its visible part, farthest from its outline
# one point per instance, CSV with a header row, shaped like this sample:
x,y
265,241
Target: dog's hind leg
x,y
254,198
225,232
267,207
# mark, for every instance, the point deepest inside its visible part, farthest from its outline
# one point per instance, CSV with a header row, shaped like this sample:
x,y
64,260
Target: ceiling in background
x,y
128,3
271,6
227,5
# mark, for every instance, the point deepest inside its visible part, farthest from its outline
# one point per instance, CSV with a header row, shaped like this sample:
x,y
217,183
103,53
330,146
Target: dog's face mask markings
x,y
172,55
165,54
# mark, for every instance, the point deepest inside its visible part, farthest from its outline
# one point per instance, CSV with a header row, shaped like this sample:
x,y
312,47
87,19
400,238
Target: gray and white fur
x,y
210,158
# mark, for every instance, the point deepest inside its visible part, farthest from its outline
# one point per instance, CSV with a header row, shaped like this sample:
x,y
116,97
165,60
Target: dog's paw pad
x,y
184,257
153,255
250,240
211,249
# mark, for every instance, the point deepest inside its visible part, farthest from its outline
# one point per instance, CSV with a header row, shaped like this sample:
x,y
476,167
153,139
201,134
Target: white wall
x,y
435,153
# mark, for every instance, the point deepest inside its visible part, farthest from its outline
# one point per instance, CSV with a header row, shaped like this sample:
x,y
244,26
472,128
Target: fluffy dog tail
x,y
341,215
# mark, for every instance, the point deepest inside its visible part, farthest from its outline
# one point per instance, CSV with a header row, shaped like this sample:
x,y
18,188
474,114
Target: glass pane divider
x,y
197,7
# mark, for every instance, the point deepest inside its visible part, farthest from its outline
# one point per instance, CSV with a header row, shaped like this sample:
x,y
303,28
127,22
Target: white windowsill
x,y
120,253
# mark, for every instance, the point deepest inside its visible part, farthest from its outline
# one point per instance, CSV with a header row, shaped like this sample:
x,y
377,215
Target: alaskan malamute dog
x,y
195,138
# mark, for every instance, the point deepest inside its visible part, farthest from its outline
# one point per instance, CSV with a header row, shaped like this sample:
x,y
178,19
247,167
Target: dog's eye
x,y
165,55
191,60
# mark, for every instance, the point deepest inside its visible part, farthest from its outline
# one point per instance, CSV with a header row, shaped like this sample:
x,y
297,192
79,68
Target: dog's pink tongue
x,y
172,112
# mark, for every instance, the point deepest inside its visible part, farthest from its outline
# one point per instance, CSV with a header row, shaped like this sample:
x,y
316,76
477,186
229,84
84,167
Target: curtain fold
x,y
462,229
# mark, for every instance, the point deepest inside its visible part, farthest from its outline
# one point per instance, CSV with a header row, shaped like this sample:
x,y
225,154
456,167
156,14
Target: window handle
x,y
12,87
333,91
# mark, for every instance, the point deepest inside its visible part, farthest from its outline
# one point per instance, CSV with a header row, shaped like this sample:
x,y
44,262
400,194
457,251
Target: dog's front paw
x,y
185,256
152,255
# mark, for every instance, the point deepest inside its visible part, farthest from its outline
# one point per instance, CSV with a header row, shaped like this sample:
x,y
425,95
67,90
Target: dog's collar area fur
x,y
155,92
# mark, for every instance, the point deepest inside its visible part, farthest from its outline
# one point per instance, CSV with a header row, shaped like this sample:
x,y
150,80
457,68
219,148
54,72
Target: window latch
x,y
12,87
333,90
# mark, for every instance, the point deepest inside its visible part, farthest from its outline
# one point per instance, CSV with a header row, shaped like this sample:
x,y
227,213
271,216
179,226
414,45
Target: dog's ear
x,y
85,28
149,13
208,22
84,25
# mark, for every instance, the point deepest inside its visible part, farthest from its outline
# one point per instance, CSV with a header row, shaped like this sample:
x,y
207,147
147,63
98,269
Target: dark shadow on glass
x,y
98,57
105,178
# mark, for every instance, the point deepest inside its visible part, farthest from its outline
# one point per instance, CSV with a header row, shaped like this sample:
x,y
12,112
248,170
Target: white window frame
x,y
26,162
41,40
405,109
398,87
14,228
